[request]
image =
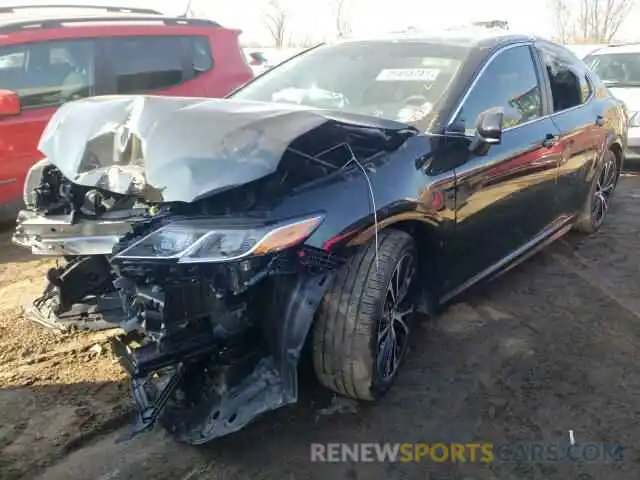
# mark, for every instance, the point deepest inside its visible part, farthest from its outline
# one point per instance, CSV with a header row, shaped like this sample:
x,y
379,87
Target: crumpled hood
x,y
167,149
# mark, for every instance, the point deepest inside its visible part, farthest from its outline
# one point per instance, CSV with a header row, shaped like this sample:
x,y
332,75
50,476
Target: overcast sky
x,y
314,18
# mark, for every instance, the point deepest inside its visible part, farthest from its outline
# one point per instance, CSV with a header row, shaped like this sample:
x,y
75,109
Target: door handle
x,y
550,140
600,121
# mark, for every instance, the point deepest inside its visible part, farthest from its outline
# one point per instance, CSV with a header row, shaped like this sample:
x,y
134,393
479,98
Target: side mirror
x,y
488,131
9,103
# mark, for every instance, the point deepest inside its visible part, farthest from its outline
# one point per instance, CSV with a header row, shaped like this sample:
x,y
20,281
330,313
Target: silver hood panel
x,y
167,149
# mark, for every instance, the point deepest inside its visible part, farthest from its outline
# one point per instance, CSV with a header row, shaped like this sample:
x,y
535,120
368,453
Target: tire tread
x,y
343,330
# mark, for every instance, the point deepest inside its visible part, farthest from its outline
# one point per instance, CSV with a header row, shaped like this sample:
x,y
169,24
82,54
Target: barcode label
x,y
408,75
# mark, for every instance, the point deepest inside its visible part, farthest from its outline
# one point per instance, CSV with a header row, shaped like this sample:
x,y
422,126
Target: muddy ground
x,y
550,347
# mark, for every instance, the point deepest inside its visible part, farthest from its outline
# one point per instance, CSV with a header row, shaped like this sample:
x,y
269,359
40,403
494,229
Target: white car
x,y
581,51
619,68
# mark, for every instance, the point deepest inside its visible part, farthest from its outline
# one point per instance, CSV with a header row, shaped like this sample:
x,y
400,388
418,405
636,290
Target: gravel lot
x,y
549,347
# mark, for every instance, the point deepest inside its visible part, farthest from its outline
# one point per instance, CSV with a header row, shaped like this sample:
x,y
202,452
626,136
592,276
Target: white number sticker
x,y
408,75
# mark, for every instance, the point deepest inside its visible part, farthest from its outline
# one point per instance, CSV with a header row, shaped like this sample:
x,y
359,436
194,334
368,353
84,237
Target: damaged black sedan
x,y
322,204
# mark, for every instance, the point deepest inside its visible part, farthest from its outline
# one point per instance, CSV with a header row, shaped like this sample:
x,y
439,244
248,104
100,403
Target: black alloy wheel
x,y
362,331
598,201
605,184
393,328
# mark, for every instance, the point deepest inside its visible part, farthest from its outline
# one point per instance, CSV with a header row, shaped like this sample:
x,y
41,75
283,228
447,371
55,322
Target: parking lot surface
x,y
551,346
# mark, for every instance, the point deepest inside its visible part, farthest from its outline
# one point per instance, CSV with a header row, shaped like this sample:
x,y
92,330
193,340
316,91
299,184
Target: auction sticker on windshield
x,y
408,74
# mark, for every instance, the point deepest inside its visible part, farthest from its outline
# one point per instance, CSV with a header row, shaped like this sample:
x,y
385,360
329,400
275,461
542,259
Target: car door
x,y
504,199
579,118
44,75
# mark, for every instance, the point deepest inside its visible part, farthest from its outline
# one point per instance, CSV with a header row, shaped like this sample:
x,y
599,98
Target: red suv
x,y
48,58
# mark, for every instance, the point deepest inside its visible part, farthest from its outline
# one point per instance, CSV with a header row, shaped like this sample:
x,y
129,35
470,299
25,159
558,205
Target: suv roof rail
x,y
60,22
111,9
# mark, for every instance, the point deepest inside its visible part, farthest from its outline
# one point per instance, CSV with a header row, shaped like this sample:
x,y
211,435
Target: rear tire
x,y
597,203
360,336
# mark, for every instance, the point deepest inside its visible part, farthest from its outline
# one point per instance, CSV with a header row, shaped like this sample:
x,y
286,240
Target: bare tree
x,y
192,11
343,18
276,19
563,23
306,41
602,19
594,21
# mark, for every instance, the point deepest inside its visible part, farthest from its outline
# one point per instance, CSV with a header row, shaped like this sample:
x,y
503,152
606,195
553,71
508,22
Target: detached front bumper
x,y
79,294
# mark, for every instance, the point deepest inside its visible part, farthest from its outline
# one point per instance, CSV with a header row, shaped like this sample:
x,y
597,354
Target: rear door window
x,y
145,64
570,86
47,74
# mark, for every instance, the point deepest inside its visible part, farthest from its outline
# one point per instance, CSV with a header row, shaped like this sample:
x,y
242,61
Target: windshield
x,y
397,81
616,68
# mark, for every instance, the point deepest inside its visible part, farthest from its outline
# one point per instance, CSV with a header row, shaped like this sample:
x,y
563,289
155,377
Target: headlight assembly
x,y
197,242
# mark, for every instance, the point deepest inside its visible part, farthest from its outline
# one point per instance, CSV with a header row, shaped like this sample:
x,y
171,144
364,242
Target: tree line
x,y
589,21
575,21
277,20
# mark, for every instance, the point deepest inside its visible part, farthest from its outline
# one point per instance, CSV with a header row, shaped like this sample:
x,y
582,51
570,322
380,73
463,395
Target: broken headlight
x,y
197,242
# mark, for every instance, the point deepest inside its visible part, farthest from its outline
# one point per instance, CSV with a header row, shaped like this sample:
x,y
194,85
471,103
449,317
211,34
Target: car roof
x,y
30,17
479,37
620,48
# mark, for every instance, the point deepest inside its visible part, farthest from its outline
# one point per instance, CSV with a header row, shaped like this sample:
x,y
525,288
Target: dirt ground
x,y
550,347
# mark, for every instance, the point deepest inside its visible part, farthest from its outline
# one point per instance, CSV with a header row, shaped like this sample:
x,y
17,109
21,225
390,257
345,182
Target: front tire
x,y
597,203
362,331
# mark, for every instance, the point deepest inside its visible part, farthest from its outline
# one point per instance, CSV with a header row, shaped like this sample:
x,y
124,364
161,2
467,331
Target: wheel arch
x,y
427,246
425,232
616,147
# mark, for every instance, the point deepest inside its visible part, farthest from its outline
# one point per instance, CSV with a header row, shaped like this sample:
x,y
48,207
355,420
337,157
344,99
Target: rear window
x,y
47,74
143,64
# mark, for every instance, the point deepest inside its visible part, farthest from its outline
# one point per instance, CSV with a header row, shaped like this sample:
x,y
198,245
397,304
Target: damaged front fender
x,y
224,396
287,333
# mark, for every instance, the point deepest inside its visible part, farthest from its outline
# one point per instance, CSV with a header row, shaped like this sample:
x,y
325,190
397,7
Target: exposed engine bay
x,y
214,296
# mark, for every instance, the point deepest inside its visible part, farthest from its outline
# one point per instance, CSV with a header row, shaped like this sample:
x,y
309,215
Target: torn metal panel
x,y
79,295
103,312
